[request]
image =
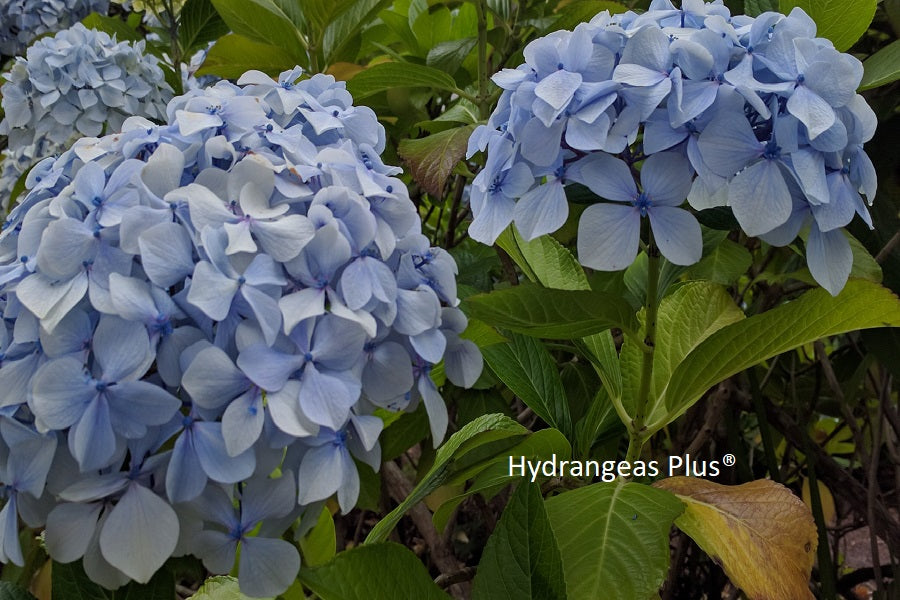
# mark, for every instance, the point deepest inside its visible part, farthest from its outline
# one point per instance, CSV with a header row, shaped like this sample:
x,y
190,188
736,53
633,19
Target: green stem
x,y
637,429
484,102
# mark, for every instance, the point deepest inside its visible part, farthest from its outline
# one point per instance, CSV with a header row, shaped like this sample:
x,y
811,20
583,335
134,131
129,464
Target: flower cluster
x,y
200,321
754,113
23,20
80,82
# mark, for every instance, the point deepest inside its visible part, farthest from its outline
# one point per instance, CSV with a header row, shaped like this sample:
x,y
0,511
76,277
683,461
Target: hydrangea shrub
x,y
192,309
757,114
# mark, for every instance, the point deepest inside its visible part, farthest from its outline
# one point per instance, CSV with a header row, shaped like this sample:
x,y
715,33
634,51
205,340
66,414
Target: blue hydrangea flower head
x,y
21,21
754,113
188,307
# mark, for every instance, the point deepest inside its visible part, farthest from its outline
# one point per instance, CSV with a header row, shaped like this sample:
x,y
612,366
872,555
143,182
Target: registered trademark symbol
x,y
728,460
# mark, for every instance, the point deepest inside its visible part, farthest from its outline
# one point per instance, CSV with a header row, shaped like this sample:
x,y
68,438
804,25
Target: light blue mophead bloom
x,y
188,307
763,114
21,21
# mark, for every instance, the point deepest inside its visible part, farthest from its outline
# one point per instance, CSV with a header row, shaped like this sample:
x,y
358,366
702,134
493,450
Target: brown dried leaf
x,y
761,534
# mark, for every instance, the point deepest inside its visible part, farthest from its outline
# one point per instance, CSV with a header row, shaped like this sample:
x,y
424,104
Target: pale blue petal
x,y
608,236
60,392
463,363
243,422
320,473
677,233
268,567
69,530
139,515
325,398
606,176
666,177
166,254
539,143
387,373
213,455
268,368
284,407
829,258
211,291
814,112
121,348
436,409
760,198
212,379
185,478
542,210
728,144
217,549
91,440
268,498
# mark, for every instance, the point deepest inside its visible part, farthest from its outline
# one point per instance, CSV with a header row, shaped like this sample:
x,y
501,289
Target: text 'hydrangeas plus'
x,y
754,113
190,308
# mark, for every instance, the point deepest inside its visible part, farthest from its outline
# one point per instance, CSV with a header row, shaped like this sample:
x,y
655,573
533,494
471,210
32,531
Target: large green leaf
x,y
688,316
387,76
219,588
544,260
265,22
861,305
527,369
385,571
475,442
10,591
70,581
343,29
724,264
431,159
756,7
521,559
841,21
199,24
234,54
112,26
319,544
613,539
549,313
544,445
883,67
320,13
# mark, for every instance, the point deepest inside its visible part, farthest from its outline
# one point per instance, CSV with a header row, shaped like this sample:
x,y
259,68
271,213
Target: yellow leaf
x,y
761,534
828,510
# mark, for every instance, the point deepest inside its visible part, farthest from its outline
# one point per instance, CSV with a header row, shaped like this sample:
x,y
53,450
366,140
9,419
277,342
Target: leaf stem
x,y
638,428
484,102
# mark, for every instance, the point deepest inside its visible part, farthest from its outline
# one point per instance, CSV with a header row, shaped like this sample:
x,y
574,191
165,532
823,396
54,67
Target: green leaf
x,y
263,21
548,313
199,24
10,591
574,13
112,26
816,314
385,571
686,317
70,581
320,13
882,68
725,264
451,458
527,369
431,159
600,349
540,445
319,544
220,588
754,8
448,56
482,334
234,54
600,419
613,539
841,21
403,433
390,75
544,260
521,559
342,30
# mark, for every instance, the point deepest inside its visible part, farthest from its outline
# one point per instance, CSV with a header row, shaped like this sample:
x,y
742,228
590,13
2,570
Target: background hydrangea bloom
x,y
764,115
243,286
77,83
23,20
